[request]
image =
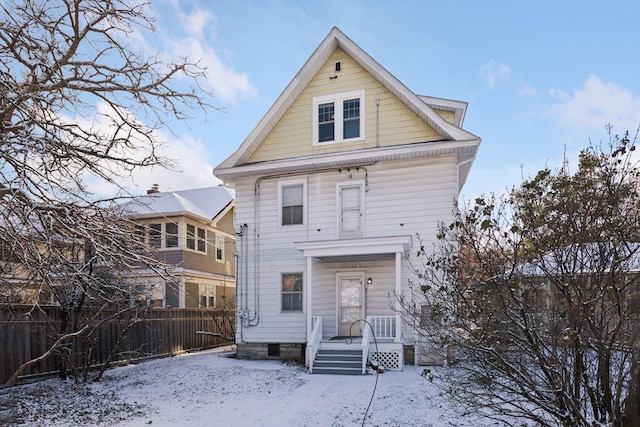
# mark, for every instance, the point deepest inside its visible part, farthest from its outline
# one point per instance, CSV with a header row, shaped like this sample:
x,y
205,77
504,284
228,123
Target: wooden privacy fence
x,y
152,333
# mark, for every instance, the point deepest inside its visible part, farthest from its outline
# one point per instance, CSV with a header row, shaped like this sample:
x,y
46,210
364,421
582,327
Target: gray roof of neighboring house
x,y
583,259
203,202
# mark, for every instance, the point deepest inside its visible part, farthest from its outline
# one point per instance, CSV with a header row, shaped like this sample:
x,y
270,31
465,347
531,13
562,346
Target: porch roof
x,y
355,247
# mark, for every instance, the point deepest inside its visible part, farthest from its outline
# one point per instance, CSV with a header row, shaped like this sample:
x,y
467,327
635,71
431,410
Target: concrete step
x,y
338,362
337,371
340,351
354,357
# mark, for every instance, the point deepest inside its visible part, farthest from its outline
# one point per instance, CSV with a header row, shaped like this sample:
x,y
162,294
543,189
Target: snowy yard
x,y
211,389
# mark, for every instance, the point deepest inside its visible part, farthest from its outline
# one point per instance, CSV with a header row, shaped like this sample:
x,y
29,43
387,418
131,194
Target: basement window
x,y
273,350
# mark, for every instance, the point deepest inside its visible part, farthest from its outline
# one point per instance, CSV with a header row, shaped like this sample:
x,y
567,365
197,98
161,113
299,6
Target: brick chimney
x,y
155,188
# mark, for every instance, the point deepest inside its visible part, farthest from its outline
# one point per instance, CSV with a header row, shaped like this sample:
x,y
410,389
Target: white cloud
x,y
194,23
188,157
192,39
225,82
594,105
191,170
493,71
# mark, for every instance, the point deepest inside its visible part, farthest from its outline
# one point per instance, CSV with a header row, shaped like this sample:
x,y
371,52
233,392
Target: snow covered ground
x,y
212,389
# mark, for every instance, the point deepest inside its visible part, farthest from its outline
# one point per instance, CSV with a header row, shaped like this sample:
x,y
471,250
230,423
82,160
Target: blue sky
x,y
540,77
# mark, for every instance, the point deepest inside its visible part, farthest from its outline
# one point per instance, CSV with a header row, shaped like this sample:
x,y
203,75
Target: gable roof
x,y
423,107
205,203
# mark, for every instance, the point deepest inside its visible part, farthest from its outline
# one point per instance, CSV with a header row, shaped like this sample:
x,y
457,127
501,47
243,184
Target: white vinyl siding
x,y
403,198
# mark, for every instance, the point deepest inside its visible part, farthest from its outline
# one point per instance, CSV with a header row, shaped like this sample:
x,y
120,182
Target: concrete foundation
x,y
272,351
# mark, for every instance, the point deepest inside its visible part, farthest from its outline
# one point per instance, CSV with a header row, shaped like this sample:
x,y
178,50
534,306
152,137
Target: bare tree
x,y
78,101
537,296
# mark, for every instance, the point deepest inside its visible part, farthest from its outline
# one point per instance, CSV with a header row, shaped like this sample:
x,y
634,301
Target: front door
x,y
350,304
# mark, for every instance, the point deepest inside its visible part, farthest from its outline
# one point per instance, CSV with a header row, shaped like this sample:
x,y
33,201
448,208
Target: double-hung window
x,y
338,118
196,238
219,247
155,235
291,195
291,292
202,240
171,235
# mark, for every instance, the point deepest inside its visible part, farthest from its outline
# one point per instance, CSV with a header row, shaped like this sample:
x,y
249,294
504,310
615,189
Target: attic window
x,y
338,118
338,66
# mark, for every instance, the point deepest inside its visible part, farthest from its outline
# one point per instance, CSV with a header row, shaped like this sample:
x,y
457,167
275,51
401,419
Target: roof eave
x,y
466,149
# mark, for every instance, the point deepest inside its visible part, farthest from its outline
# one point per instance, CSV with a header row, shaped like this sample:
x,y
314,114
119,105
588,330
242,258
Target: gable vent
x,y
338,66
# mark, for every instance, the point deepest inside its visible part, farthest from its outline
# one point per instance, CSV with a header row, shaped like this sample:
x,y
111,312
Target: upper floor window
x,y
350,209
292,195
202,240
219,248
338,118
196,238
155,235
171,235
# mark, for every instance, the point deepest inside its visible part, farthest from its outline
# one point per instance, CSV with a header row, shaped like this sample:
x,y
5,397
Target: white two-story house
x,y
332,187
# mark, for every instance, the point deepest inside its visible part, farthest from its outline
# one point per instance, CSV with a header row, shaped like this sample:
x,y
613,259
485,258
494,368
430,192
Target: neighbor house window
x,y
219,248
191,237
196,238
292,204
338,118
291,292
202,240
155,235
139,232
171,235
207,296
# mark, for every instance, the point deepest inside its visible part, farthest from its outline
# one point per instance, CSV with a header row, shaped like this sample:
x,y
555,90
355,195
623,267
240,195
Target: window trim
x,y
195,238
210,292
290,183
360,184
155,234
281,274
338,121
219,238
172,238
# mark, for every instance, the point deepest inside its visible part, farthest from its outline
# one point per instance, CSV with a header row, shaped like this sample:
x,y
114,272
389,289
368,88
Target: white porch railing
x,y
366,337
314,341
384,327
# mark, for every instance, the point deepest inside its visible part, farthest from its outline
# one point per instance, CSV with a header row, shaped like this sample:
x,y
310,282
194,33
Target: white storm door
x,y
350,305
351,211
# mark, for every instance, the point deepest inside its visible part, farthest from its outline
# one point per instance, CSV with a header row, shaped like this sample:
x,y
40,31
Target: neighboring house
x,y
332,187
193,230
589,267
22,246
